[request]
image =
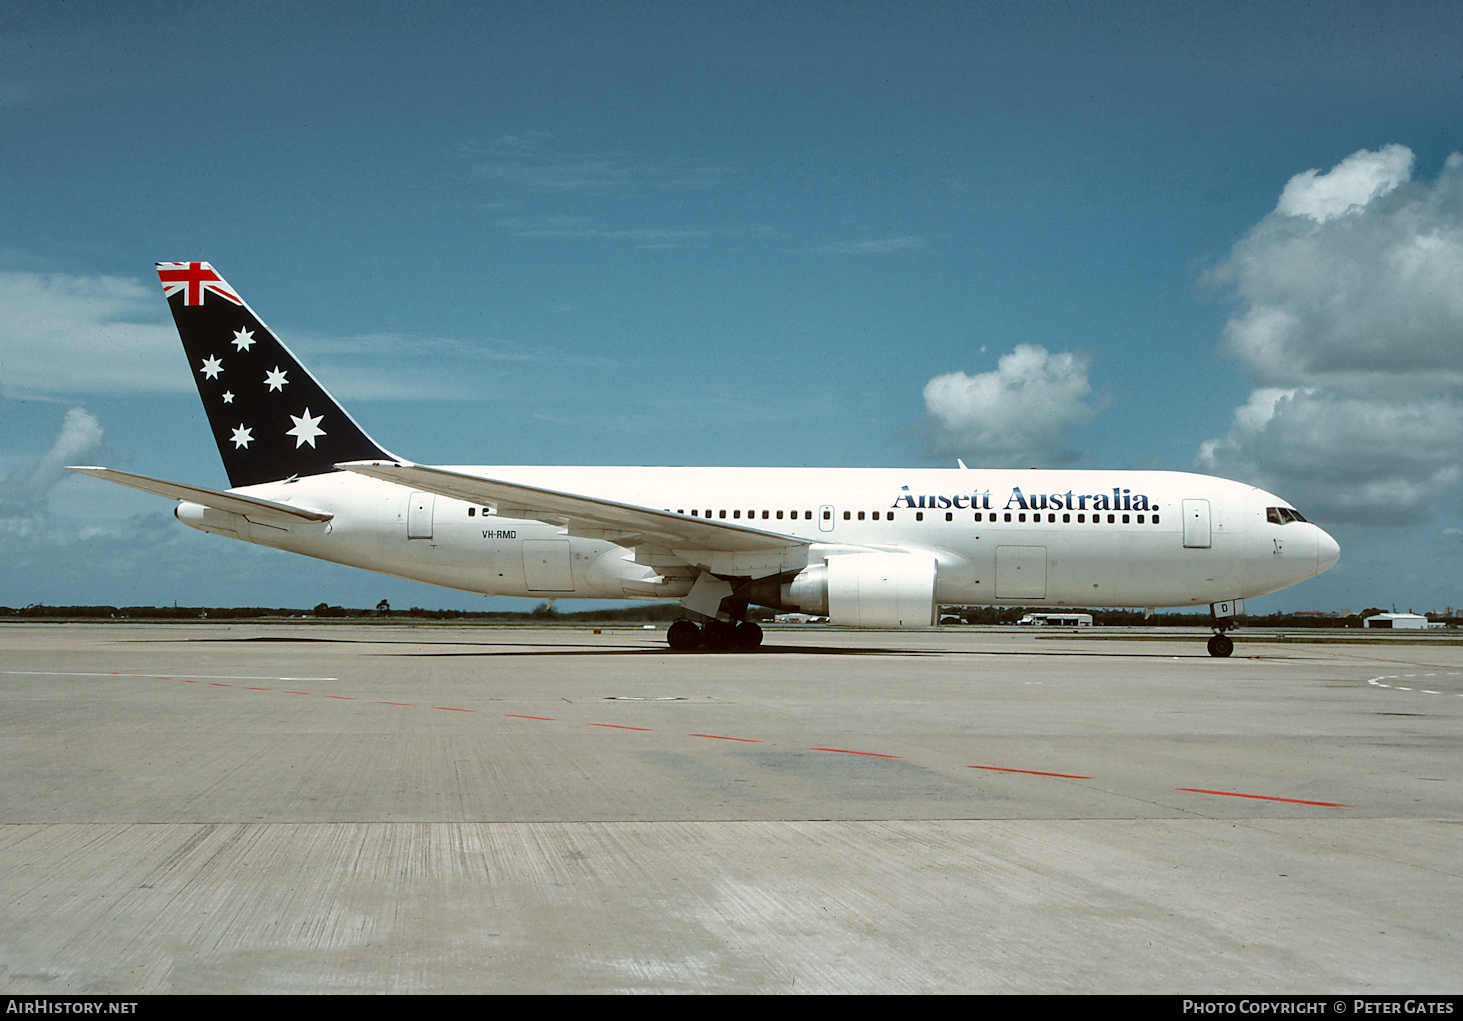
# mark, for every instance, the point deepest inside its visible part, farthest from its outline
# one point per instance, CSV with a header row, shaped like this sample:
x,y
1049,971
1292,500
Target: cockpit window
x,y
1282,515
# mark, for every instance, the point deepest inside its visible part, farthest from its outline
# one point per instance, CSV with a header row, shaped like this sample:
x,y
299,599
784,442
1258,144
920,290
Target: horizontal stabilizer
x,y
634,525
234,503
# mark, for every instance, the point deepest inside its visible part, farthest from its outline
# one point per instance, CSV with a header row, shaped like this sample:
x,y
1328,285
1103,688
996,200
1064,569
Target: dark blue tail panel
x,y
270,417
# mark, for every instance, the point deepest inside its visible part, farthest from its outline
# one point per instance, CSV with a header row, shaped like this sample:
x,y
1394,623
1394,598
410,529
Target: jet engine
x,y
863,590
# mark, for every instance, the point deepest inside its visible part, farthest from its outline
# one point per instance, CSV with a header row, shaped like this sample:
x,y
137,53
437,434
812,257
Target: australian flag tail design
x,y
270,417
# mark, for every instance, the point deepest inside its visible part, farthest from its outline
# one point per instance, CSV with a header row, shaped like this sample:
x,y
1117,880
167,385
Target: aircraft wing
x,y
235,503
621,523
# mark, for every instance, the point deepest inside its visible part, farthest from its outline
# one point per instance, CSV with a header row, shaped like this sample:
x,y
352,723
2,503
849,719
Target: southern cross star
x,y
306,429
211,367
243,339
275,379
242,437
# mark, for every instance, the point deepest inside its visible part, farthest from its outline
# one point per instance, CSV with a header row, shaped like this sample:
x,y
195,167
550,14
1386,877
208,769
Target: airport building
x,y
1398,621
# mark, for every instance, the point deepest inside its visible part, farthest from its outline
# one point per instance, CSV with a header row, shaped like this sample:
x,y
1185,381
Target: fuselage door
x,y
1196,524
546,565
419,515
1020,572
825,518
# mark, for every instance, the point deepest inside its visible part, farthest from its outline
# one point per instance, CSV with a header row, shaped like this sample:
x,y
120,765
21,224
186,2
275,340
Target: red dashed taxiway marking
x,y
1263,797
196,679
1031,772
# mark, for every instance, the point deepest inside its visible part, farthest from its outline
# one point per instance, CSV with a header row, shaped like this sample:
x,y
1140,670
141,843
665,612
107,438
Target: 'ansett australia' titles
x,y
1115,500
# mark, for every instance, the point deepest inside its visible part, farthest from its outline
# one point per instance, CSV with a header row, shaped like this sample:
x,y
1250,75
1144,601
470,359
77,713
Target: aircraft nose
x,y
1328,551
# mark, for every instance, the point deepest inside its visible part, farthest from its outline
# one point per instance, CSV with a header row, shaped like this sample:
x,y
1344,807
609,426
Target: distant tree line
x,y
649,613
653,613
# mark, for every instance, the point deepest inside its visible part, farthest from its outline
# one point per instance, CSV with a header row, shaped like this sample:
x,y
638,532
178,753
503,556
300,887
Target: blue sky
x,y
1215,237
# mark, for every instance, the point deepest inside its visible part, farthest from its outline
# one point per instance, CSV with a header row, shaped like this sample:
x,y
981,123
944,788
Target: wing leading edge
x,y
591,517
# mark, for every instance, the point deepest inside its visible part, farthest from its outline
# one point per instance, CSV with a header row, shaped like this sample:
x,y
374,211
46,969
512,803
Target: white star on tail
x,y
242,437
228,397
211,367
243,339
275,379
306,429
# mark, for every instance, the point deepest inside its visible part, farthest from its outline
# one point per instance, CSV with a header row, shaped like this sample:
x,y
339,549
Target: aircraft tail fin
x,y
271,419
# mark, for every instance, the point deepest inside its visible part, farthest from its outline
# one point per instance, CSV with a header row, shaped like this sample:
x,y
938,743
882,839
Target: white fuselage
x,y
1059,538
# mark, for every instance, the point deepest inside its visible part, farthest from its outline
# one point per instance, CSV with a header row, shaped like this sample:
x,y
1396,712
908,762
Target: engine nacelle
x,y
867,590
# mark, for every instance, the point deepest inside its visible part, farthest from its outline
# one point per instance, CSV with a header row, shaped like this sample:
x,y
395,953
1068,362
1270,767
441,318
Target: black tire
x,y
718,635
1221,646
683,636
748,635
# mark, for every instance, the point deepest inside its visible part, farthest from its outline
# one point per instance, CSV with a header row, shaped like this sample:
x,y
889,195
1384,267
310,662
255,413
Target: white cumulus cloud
x,y
1350,321
1353,182
24,491
1020,414
72,334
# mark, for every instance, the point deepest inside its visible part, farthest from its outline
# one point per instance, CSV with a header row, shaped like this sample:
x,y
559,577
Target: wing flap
x,y
234,503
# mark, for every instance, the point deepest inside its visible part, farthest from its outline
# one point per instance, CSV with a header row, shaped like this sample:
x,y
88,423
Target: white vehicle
x,y
868,547
1057,619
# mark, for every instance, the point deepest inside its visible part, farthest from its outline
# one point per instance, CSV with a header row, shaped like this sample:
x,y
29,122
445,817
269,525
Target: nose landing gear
x,y
1220,644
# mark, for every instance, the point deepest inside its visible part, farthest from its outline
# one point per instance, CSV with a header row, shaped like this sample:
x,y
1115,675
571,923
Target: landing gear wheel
x,y
683,636
748,635
1221,646
718,635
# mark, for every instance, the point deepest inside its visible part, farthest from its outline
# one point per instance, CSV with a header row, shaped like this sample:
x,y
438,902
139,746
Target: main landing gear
x,y
716,635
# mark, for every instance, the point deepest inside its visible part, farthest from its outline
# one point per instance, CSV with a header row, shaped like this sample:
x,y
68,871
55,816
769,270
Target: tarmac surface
x,y
253,808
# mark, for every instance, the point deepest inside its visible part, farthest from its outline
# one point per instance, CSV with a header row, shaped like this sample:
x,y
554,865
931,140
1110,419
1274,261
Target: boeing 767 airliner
x,y
867,547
